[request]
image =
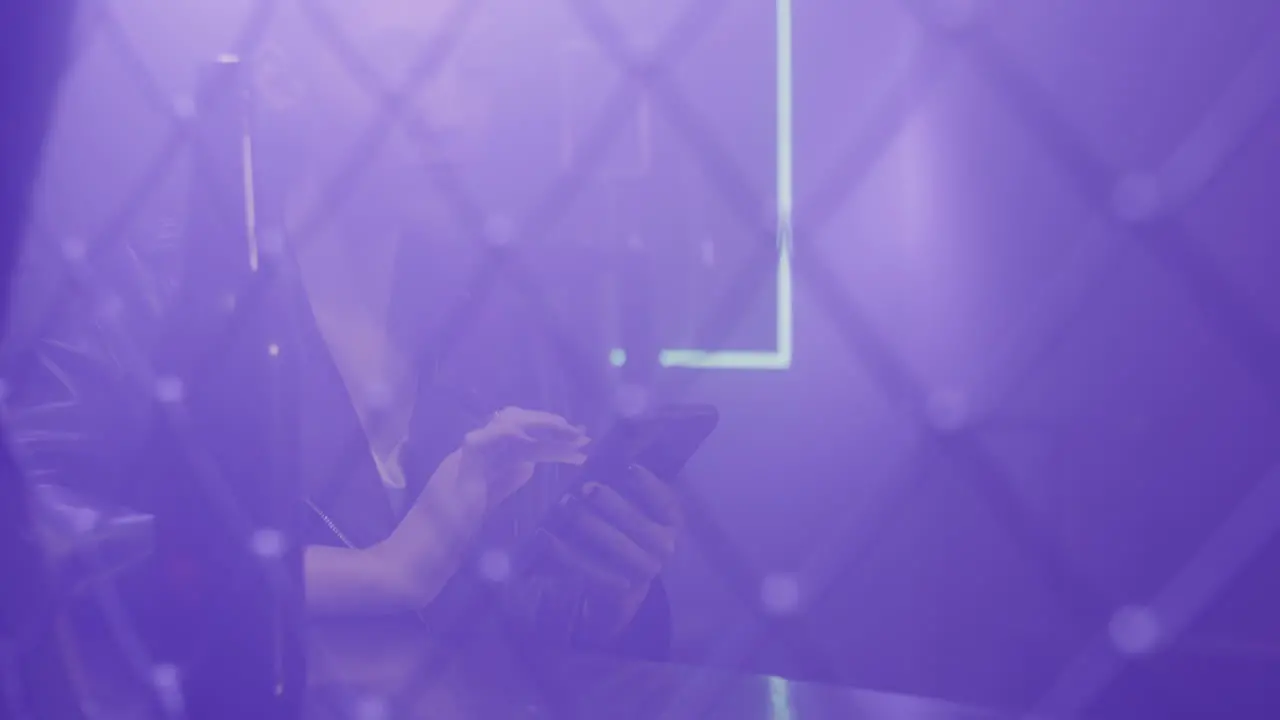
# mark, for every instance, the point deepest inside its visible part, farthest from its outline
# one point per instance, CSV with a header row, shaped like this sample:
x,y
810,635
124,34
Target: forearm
x,y
410,568
341,581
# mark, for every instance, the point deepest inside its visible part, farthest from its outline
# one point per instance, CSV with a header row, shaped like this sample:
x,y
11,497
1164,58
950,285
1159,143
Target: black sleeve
x,y
441,419
648,637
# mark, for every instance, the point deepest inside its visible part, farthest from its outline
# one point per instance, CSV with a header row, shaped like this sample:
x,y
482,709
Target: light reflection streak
x,y
779,358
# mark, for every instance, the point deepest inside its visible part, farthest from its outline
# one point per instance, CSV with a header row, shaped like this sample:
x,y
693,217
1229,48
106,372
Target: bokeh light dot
x,y
267,543
1135,630
82,520
74,249
780,594
495,565
169,390
165,676
371,708
184,106
168,685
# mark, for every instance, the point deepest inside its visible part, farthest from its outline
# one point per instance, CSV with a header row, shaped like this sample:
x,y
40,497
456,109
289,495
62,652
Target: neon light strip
x,y
780,706
780,357
250,202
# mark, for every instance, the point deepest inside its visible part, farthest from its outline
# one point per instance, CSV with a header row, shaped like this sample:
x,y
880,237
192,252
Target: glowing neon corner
x,y
780,357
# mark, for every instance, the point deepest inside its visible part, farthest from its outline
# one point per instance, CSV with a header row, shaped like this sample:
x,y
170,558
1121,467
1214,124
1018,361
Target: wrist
x,y
454,504
459,487
486,482
433,539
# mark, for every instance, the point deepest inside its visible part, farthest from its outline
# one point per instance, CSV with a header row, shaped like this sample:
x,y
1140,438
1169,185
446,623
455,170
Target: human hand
x,y
502,454
618,537
495,460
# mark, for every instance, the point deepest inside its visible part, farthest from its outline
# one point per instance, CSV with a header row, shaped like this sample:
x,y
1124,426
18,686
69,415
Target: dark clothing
x,y
350,506
104,456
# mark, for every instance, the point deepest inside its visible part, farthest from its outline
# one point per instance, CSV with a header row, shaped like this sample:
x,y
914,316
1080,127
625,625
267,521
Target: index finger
x,y
538,424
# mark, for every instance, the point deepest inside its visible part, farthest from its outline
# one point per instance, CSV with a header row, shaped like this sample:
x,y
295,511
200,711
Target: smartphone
x,y
661,441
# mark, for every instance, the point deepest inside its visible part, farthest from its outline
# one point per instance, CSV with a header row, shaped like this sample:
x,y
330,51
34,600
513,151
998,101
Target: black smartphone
x,y
662,441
